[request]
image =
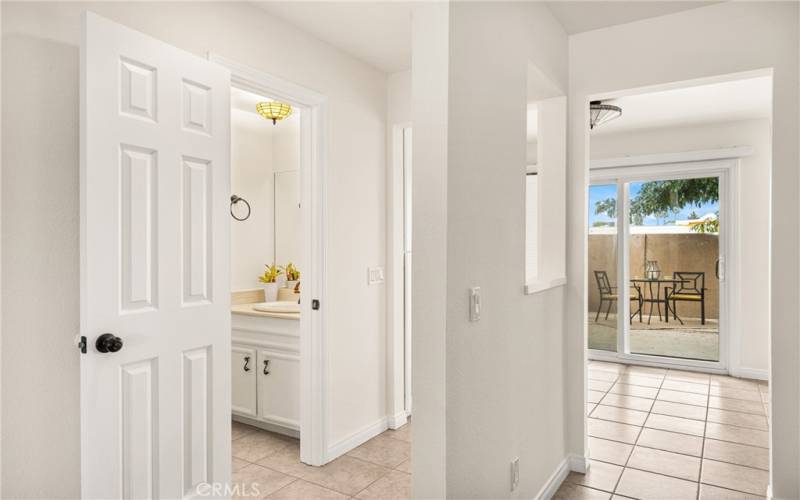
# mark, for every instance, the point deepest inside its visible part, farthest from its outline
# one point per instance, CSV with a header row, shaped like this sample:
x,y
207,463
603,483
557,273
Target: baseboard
x,y
752,373
554,481
769,492
397,420
356,439
578,463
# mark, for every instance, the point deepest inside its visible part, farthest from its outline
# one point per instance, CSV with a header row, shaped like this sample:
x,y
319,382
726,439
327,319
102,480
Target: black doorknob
x,y
108,342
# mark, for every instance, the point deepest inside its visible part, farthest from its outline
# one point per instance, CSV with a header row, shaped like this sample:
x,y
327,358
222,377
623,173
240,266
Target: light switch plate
x,y
375,276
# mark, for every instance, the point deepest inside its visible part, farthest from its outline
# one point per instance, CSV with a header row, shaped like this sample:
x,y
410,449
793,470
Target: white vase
x,y
270,292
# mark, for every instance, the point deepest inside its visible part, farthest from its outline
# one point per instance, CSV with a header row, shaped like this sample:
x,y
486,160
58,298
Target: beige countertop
x,y
247,309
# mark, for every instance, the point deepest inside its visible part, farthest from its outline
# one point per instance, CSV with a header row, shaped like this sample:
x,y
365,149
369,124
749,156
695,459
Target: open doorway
x,y
677,310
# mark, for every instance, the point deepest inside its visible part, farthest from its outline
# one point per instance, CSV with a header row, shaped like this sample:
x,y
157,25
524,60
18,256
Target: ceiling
x,y
713,103
577,17
378,33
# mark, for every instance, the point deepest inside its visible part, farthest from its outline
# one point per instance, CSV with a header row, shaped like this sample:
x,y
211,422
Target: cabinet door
x,y
243,380
279,388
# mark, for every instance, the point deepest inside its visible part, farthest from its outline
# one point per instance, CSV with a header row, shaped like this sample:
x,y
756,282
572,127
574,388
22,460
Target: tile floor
x,y
269,464
670,434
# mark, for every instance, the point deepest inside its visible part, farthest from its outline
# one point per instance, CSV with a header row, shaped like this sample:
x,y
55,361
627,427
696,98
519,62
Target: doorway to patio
x,y
663,231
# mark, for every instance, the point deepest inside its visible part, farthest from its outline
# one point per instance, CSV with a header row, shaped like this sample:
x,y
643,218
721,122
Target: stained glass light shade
x,y
600,113
274,110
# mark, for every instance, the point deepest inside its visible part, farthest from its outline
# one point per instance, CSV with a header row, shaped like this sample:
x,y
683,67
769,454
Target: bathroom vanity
x,y
265,369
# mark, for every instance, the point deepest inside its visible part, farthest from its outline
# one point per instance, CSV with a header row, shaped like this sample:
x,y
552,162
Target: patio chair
x,y
609,294
691,288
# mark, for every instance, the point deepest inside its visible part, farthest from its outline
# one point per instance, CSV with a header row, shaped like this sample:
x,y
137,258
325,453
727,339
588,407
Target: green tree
x,y
660,198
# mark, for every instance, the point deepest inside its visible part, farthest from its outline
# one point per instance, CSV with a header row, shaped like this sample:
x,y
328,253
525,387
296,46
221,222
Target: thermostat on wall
x,y
375,276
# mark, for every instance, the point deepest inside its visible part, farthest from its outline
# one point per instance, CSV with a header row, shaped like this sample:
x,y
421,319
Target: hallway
x,y
656,434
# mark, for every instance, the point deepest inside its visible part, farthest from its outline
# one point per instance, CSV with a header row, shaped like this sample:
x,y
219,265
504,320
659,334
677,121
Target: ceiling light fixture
x,y
601,113
274,110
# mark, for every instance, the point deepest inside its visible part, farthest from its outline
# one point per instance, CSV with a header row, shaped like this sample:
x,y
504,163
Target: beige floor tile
x,y
238,464
609,451
600,476
665,462
346,475
641,380
395,485
595,396
735,453
708,492
287,460
634,390
606,366
727,392
239,429
675,424
735,477
613,430
682,397
383,451
255,481
571,491
405,466
303,490
403,433
686,376
602,375
736,405
590,407
753,437
647,371
733,382
600,385
640,484
679,410
632,402
737,418
256,445
677,385
670,441
617,414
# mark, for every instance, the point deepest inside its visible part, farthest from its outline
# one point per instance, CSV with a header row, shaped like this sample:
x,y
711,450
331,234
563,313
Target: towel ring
x,y
236,199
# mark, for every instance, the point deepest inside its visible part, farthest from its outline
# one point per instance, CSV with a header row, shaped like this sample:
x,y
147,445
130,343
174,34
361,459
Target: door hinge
x,y
315,304
82,344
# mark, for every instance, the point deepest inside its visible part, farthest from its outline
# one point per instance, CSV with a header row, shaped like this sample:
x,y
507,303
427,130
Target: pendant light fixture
x,y
274,110
600,113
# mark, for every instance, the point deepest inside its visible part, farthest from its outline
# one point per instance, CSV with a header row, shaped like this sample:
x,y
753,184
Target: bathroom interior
x,y
266,265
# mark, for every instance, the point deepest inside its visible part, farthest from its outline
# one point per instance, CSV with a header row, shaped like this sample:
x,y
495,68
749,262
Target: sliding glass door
x,y
656,254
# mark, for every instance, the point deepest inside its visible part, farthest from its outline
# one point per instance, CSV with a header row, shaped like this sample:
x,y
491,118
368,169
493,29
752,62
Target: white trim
x,y
542,285
751,373
397,420
656,361
553,483
314,422
682,157
356,439
579,463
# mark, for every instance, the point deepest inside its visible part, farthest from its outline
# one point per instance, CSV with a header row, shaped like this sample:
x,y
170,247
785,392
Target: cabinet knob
x,y
266,367
247,363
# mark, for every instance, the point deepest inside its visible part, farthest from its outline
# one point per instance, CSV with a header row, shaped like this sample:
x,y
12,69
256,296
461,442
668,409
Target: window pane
x,y
602,279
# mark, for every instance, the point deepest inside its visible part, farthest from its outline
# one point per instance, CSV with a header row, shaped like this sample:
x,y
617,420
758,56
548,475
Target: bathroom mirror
x,y
287,216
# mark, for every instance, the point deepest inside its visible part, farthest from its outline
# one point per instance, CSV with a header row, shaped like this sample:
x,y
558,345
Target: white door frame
x,y
314,423
677,166
407,264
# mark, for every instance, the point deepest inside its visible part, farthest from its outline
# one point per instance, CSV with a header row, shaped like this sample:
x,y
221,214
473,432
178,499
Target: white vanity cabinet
x,y
265,372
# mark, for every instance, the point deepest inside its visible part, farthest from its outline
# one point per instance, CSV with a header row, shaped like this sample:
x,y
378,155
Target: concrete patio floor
x,y
690,340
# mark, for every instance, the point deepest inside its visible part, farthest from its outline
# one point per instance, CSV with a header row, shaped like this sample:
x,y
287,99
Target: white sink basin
x,y
278,307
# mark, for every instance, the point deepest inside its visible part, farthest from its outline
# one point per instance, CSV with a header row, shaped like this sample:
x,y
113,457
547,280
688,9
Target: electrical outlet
x,y
514,474
375,276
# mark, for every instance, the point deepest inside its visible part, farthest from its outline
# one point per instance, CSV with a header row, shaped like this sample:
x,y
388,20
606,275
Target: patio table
x,y
654,294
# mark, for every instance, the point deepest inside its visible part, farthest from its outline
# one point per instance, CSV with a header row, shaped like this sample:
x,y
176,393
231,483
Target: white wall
x,y
40,451
252,173
493,387
719,39
752,223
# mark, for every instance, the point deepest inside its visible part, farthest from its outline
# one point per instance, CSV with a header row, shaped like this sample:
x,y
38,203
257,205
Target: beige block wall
x,y
673,252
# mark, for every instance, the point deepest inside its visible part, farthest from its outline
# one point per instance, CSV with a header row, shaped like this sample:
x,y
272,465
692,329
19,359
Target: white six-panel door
x,y
154,266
